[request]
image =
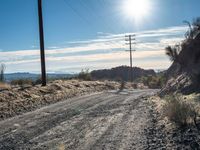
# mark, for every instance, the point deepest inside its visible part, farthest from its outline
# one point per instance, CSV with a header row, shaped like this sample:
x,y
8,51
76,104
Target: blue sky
x,y
89,33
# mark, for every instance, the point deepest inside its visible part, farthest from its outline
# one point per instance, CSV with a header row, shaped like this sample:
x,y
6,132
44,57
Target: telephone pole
x,y
42,50
130,39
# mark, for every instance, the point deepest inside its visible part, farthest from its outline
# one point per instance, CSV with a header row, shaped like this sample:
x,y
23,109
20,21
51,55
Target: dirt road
x,y
107,120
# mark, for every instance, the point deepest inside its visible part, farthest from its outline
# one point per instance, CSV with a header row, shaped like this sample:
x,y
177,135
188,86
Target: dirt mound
x,y
17,100
20,99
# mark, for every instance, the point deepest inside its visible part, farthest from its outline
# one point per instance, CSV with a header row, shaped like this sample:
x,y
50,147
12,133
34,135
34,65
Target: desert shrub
x,y
134,85
122,84
85,75
194,28
179,111
153,81
119,79
38,81
22,82
173,52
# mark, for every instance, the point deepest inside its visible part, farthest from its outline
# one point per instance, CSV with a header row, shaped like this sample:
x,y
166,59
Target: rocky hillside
x,y
121,72
184,74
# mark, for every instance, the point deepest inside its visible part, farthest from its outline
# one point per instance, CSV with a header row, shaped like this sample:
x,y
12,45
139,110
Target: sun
x,y
136,9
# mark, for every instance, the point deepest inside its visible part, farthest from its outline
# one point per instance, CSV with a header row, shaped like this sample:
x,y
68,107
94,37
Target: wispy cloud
x,y
105,51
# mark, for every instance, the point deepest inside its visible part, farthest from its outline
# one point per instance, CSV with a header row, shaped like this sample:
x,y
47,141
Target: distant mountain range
x,y
117,73
25,75
121,72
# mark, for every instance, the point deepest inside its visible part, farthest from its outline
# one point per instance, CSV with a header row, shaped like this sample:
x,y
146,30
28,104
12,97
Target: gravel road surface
x,y
107,120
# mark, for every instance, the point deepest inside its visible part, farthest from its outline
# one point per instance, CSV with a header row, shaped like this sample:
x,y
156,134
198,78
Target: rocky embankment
x,y
184,74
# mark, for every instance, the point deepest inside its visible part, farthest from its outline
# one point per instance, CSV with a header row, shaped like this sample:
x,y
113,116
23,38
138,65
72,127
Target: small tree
x,y
2,69
85,75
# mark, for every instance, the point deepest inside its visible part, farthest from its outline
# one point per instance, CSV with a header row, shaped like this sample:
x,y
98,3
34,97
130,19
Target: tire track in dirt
x,y
104,120
116,134
78,126
120,123
112,137
43,123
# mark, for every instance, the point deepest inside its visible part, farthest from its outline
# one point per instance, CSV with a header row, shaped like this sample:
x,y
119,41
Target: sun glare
x,y
136,9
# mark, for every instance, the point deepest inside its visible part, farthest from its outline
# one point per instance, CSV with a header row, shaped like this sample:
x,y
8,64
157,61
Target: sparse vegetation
x,y
153,81
30,81
122,85
179,111
84,75
22,82
173,52
39,81
194,28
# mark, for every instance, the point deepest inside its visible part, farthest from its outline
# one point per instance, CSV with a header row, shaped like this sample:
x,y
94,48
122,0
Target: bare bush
x,y
122,85
179,111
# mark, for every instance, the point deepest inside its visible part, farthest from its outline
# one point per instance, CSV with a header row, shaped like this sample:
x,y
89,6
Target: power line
x,y
130,38
114,44
91,10
77,13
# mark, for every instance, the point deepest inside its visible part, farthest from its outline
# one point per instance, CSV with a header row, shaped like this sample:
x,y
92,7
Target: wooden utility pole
x,y
130,38
42,51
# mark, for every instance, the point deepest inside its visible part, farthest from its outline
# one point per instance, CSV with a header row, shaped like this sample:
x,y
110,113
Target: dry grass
x,y
179,110
61,147
4,86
